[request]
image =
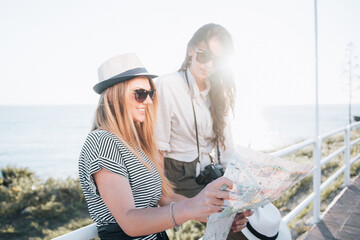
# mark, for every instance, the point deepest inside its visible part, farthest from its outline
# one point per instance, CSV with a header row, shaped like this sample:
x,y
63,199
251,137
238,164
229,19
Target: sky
x,y
50,50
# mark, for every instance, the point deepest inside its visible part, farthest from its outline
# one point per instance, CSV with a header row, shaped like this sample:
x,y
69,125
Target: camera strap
x,y
196,131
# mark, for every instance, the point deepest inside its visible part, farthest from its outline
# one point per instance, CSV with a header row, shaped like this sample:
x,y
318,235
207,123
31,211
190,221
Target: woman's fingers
x,y
212,204
240,220
214,208
244,214
211,198
214,193
213,188
249,213
218,183
238,225
238,228
218,202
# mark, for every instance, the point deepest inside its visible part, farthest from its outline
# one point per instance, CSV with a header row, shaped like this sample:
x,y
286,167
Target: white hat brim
x,y
284,233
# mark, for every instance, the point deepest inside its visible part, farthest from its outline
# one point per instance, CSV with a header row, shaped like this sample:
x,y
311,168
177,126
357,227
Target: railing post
x,y
317,179
317,148
347,155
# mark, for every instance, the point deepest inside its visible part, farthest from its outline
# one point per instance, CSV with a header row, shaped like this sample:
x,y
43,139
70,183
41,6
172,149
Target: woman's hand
x,y
210,199
240,220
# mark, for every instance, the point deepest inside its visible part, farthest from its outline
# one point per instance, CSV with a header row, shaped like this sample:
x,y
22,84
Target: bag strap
x,y
196,131
218,151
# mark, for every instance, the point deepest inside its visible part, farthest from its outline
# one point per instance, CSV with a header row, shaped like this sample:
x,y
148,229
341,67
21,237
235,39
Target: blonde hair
x,y
113,115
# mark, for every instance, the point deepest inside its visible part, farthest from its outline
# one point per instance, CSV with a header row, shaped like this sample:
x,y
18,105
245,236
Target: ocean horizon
x,y
47,139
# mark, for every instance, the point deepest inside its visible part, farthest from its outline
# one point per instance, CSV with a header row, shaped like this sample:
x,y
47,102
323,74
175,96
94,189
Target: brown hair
x,y
113,115
223,91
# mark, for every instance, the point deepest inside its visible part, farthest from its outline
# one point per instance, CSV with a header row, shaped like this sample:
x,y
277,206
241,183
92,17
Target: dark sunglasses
x,y
141,94
205,57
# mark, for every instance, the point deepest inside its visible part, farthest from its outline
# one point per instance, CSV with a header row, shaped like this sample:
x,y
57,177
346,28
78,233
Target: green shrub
x,y
33,209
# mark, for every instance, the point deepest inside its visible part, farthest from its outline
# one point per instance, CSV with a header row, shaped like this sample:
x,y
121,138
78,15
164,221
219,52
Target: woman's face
x,y
205,59
138,88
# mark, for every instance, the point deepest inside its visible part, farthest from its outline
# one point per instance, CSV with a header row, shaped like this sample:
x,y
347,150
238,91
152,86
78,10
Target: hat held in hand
x,y
266,224
118,69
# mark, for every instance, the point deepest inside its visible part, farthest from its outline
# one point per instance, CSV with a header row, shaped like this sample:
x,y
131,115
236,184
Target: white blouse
x,y
175,125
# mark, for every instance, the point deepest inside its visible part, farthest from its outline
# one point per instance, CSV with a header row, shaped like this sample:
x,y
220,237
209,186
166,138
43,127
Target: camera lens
x,y
200,179
210,173
220,167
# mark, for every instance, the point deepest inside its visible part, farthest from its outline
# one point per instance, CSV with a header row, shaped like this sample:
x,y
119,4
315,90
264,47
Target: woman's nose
x,y
148,100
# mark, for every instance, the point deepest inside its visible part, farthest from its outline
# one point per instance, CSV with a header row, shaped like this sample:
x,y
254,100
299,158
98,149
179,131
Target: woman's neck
x,y
199,82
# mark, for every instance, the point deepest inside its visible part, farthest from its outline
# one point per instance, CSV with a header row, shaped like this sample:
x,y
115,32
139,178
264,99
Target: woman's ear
x,y
191,51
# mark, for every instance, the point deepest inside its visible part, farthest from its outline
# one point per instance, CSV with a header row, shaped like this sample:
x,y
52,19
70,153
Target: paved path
x,y
342,221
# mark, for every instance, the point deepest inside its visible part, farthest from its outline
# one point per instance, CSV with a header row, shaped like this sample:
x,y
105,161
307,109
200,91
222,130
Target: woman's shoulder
x,y
169,80
104,143
99,136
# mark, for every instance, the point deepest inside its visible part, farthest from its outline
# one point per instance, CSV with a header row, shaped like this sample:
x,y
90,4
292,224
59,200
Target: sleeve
x,y
163,121
108,156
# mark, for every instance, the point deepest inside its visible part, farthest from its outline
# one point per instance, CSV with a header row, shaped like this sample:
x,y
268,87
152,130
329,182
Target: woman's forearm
x,y
166,200
152,220
116,192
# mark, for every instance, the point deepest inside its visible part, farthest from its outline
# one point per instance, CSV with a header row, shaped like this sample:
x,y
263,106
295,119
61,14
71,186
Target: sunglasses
x,y
205,57
141,94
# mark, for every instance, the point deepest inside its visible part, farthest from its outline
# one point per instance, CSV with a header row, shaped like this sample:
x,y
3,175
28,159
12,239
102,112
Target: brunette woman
x,y
193,129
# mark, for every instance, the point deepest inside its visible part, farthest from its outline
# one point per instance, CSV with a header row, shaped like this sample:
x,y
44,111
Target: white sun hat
x,y
266,224
118,69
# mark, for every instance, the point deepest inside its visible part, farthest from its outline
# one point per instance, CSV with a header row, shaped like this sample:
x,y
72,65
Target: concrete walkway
x,y
342,221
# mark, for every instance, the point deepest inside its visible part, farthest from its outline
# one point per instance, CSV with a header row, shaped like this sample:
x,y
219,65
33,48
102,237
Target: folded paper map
x,y
258,179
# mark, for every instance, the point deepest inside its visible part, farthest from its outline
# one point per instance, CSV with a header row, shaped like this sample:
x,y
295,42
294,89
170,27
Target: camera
x,y
210,173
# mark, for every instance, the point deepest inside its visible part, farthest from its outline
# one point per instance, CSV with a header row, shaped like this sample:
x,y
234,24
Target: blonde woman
x,y
127,194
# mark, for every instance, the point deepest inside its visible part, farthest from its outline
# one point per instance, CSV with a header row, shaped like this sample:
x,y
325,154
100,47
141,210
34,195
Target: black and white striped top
x,y
102,149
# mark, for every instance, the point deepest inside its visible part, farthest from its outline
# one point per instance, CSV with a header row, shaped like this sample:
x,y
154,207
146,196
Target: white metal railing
x,y
87,232
90,231
315,196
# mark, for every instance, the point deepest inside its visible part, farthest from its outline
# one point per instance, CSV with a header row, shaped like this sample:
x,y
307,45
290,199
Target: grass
x,y
191,230
35,209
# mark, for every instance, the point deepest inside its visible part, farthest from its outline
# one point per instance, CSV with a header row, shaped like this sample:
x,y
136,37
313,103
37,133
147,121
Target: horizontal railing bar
x,y
326,135
354,159
332,155
293,148
355,125
332,178
311,171
87,232
355,142
291,215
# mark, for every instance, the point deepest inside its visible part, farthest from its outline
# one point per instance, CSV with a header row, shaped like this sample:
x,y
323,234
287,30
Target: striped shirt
x,y
102,149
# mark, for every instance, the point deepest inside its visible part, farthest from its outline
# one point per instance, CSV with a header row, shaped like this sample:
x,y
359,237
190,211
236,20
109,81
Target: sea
x,y
48,139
